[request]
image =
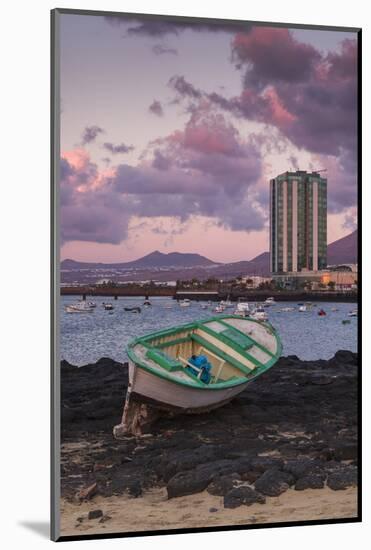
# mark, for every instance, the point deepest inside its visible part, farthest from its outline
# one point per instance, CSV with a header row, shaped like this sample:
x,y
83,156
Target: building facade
x,y
298,222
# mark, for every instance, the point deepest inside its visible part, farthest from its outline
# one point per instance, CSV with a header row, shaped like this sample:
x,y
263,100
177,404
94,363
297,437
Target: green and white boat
x,y
196,367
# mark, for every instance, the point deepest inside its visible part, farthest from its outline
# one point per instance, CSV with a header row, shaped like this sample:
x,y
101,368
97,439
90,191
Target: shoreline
x,y
202,510
290,437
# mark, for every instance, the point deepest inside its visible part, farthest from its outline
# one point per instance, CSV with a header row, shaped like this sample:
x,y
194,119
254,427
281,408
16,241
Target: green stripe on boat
x,y
158,358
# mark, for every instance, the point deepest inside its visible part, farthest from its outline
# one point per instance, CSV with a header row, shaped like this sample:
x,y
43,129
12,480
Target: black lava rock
x,y
310,481
343,478
302,467
135,489
188,483
288,410
95,514
274,482
242,495
223,484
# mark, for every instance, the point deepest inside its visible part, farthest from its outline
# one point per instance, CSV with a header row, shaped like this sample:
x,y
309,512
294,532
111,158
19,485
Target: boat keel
x,y
136,420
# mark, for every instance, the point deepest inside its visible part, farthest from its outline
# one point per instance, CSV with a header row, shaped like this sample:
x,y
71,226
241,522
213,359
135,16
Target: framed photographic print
x,y
206,278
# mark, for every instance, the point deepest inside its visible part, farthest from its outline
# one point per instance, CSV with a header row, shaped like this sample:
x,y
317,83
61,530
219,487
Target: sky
x,y
171,131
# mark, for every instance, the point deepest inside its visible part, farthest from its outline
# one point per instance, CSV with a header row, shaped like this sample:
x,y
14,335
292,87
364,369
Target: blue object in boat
x,y
200,362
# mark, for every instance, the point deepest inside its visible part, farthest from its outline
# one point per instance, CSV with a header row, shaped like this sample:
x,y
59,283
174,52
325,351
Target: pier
x,y
115,292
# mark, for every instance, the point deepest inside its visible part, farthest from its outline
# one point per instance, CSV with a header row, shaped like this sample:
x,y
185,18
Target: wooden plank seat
x,y
214,349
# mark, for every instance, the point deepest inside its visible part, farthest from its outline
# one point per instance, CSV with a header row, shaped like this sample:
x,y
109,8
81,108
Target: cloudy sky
x,y
170,133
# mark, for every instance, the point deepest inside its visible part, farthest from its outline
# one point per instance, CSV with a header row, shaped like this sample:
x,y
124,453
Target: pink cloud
x,y
208,135
280,115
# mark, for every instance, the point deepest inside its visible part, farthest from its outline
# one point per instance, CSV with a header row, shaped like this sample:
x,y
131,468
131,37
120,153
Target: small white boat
x,y
303,309
287,309
204,306
226,303
259,314
270,301
219,309
108,307
185,303
79,307
243,306
146,303
353,313
195,367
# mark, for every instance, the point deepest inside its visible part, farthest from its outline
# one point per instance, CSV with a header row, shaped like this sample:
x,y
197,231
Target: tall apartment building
x,y
298,222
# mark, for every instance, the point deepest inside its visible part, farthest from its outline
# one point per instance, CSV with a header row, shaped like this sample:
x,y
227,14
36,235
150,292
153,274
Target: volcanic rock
x,y
343,478
95,514
274,482
242,495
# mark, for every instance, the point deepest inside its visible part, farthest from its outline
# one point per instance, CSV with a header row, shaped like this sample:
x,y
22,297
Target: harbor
x,y
106,333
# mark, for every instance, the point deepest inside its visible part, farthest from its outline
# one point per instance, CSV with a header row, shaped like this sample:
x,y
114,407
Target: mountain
x,y
160,267
153,260
256,266
343,251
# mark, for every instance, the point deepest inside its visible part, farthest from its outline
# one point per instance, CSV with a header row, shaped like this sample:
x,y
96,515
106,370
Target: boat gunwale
x,y
145,341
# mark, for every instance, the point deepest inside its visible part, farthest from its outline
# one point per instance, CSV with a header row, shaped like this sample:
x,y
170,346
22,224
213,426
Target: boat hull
x,y
148,393
170,395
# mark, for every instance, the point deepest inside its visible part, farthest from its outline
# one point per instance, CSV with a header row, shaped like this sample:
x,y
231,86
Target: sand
x,y
154,511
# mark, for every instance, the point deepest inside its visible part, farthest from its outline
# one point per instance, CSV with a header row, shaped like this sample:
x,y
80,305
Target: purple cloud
x,y
207,169
118,149
90,134
310,97
155,27
156,108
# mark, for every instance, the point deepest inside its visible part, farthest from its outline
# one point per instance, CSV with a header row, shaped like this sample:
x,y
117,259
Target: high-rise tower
x,y
298,222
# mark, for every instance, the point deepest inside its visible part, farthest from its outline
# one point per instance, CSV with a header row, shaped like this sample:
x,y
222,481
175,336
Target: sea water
x,y
86,337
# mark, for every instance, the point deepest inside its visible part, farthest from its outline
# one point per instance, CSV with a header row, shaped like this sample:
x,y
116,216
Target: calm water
x,y
87,337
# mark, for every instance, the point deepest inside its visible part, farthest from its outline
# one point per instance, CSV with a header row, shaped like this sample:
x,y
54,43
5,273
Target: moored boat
x,y
134,309
353,313
79,307
196,367
108,307
242,309
185,303
259,314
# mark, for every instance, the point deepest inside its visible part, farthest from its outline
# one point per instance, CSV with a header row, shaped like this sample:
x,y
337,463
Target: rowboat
x,y
195,367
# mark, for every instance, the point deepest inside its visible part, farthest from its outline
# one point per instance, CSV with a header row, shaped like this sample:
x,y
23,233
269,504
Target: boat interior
x,y
234,348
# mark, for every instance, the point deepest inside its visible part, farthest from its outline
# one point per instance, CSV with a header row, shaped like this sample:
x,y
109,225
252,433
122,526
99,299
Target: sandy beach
x,y
154,511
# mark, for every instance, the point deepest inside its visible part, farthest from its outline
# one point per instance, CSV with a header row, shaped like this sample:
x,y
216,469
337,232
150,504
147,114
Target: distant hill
x,y
153,260
256,266
160,267
343,251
